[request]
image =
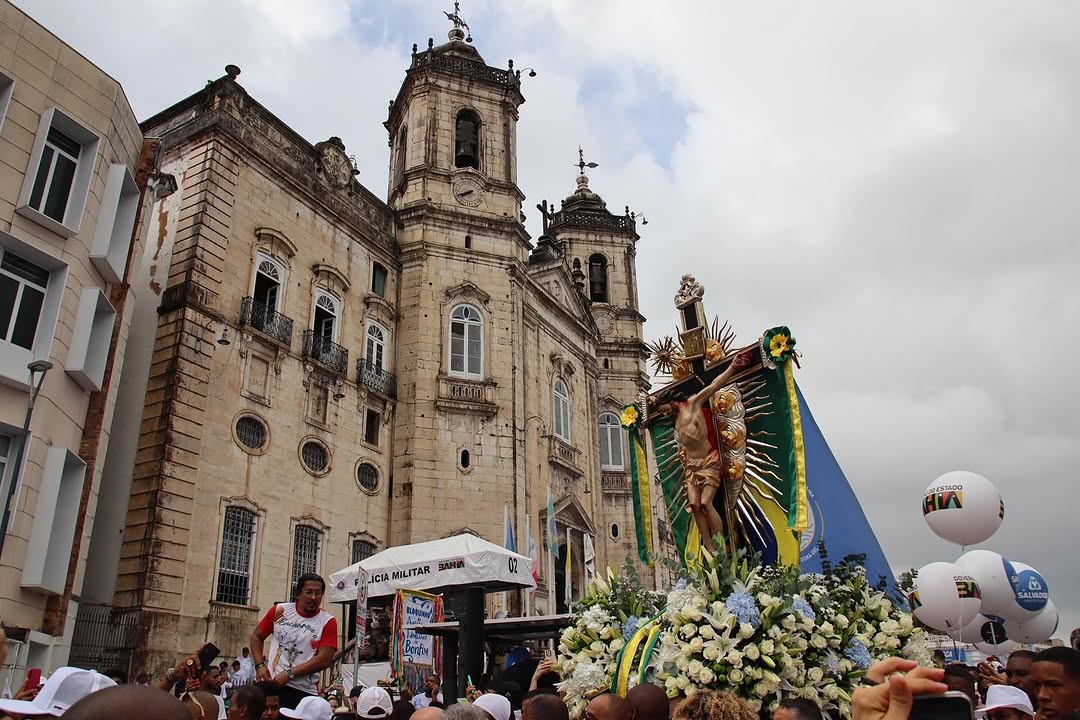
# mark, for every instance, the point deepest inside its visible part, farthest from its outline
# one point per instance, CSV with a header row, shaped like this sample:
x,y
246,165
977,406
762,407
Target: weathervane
x,y
581,164
455,17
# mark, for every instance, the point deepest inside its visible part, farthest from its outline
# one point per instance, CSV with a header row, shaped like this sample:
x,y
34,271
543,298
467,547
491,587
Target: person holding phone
x,y
889,688
303,640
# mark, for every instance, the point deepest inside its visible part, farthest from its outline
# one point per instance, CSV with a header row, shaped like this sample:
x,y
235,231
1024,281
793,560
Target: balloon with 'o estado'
x,y
944,597
963,508
993,573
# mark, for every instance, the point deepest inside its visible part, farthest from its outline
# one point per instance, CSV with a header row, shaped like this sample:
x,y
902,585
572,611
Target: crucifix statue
x,y
700,427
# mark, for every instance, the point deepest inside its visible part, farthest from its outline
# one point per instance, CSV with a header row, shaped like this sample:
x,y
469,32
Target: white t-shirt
x,y
422,700
295,639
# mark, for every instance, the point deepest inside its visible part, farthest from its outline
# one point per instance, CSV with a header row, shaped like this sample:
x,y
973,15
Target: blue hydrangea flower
x,y
832,662
630,626
743,607
681,585
857,653
799,605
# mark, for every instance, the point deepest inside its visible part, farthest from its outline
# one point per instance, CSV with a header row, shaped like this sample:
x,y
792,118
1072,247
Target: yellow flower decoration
x,y
629,416
779,345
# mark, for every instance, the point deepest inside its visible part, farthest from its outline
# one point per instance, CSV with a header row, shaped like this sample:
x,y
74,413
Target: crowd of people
x,y
302,639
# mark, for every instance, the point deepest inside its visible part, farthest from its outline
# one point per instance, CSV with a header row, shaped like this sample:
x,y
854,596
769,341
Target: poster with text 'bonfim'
x,y
415,656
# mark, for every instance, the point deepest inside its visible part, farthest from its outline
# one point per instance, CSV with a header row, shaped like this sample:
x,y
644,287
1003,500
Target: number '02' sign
x,y
512,564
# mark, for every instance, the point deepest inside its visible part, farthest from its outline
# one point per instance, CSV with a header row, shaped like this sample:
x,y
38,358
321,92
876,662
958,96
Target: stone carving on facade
x,y
690,291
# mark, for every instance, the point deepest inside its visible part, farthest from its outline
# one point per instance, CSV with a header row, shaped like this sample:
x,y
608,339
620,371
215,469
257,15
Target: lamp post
x,y
38,369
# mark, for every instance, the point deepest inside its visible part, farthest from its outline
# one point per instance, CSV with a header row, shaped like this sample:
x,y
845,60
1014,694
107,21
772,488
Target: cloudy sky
x,y
892,181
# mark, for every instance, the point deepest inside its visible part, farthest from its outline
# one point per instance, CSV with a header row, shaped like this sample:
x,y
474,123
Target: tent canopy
x,y
461,560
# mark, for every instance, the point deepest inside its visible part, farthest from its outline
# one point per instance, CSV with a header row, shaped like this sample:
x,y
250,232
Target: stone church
x,y
320,374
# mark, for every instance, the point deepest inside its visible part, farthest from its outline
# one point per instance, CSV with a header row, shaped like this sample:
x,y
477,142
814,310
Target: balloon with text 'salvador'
x,y
994,575
1036,630
944,597
963,508
1031,596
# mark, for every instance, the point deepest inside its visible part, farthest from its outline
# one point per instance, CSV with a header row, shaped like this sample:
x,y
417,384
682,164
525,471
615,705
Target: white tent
x,y
437,565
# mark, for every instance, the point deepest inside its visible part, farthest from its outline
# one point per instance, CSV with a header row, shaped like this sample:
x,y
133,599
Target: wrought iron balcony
x,y
376,379
330,355
260,317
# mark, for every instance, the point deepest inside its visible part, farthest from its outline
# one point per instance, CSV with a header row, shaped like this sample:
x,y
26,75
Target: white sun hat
x,y
66,687
1006,696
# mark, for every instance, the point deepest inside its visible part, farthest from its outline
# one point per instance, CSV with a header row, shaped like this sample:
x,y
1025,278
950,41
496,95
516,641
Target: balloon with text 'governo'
x,y
1032,594
944,597
963,508
1036,630
993,573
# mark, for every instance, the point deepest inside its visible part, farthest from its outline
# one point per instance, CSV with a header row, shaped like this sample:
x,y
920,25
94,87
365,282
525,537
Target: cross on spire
x,y
455,17
581,164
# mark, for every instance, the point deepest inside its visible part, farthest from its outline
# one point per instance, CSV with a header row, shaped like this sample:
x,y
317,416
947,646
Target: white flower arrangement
x,y
761,633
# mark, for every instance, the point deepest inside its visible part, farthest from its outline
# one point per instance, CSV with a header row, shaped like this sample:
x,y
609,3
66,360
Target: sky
x,y
890,180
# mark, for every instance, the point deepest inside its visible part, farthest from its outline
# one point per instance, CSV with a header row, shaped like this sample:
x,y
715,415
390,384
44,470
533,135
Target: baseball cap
x,y
66,687
310,708
1006,696
374,703
497,706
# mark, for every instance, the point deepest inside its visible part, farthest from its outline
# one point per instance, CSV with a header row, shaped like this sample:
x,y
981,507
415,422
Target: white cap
x,y
374,703
310,708
497,706
66,687
1006,696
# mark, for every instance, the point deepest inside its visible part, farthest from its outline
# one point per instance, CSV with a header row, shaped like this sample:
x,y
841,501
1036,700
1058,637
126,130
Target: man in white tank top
x,y
303,640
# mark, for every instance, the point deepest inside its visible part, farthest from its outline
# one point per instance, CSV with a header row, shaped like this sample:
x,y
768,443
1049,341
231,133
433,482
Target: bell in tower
x,y
467,140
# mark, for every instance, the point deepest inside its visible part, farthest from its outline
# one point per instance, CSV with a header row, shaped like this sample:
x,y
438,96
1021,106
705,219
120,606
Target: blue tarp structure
x,y
835,513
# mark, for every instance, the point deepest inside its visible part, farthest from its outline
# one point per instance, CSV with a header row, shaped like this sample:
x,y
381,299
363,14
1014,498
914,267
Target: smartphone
x,y
206,655
33,678
949,706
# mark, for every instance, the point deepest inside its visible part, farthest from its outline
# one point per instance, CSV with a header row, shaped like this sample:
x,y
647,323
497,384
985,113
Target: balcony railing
x,y
616,483
260,317
376,379
330,355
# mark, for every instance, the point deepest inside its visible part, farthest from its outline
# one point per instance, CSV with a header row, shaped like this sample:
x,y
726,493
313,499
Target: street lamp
x,y
38,370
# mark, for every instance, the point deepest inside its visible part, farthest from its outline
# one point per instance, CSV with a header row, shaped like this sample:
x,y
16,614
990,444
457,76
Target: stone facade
x,y
73,167
485,384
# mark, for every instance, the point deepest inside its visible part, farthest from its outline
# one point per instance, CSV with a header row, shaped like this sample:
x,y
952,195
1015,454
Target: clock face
x,y
337,167
605,322
468,192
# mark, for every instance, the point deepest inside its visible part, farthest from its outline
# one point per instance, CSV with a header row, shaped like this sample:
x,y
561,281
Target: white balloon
x,y
983,629
1031,596
994,574
1038,629
1004,647
963,508
944,597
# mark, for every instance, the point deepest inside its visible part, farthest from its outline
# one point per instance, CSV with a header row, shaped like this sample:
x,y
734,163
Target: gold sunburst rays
x,y
666,355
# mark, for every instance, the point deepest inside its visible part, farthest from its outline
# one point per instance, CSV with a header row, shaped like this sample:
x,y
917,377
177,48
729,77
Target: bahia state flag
x,y
835,513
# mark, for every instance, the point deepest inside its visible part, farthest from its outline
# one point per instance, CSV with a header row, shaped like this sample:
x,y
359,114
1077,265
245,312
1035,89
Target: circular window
x,y
315,457
367,478
615,531
251,432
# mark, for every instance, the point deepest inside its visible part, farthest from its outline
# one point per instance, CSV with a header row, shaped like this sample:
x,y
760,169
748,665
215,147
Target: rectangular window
x,y
237,547
7,85
90,339
305,558
22,296
372,421
378,280
361,550
53,531
59,173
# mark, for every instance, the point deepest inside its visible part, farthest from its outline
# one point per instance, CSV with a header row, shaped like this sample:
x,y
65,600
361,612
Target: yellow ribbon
x,y
802,505
627,663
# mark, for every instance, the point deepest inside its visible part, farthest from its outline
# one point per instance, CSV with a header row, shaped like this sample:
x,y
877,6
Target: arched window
x,y
562,409
611,442
362,550
268,277
467,140
237,552
305,557
466,342
598,278
375,347
399,158
325,321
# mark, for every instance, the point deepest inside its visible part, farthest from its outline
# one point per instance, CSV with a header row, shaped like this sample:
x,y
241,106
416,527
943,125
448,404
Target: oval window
x,y
466,459
315,457
251,432
615,531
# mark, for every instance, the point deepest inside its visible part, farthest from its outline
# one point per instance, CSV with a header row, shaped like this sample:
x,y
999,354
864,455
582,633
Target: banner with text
x,y
414,655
